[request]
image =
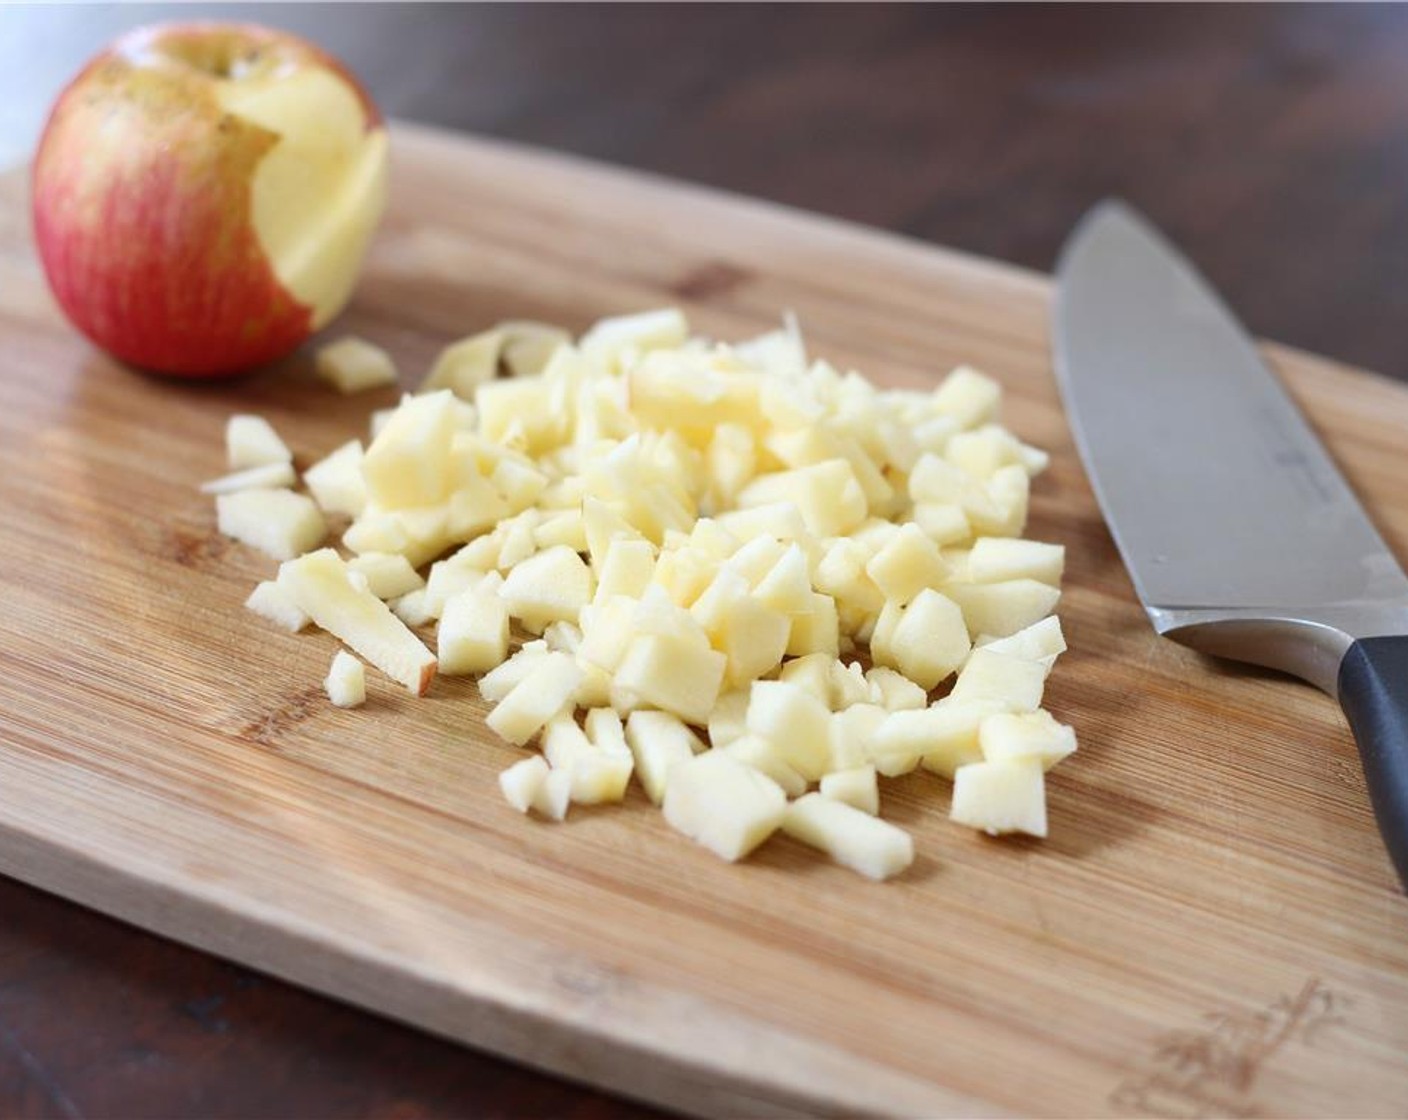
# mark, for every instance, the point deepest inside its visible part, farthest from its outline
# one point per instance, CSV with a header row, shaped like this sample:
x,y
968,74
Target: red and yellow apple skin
x,y
203,195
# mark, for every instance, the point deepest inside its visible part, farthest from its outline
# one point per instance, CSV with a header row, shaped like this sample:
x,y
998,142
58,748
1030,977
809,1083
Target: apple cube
x,y
352,365
553,797
597,776
473,632
625,568
907,565
1035,735
753,638
944,523
1014,682
279,523
250,441
563,636
853,838
551,586
659,742
321,584
409,463
763,756
529,346
761,553
1041,641
411,608
270,476
336,481
828,496
389,575
269,600
674,674
606,731
997,559
796,722
787,586
968,396
894,691
728,720
928,642
608,629
817,631
1000,797
812,673
464,365
852,732
856,787
723,804
522,782
848,685
610,339
500,681
541,694
346,682
1001,609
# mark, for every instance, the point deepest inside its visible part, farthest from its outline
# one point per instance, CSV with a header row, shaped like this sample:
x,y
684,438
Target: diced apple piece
x,y
1001,609
895,691
944,523
929,641
1000,797
817,631
554,795
827,495
529,345
336,481
728,720
464,365
764,757
852,732
607,631
611,338
754,638
723,804
796,722
411,608
763,535
352,365
499,682
1041,641
346,682
598,776
269,600
606,731
997,559
250,441
856,787
455,574
279,523
812,673
1009,493
787,586
1035,735
850,836
1014,682
848,685
321,584
968,396
625,568
409,463
542,694
270,476
522,782
563,636
674,674
552,586
907,565
473,632
388,575
659,742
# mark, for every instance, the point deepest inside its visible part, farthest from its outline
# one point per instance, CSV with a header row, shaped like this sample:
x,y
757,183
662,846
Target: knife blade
x,y
1240,534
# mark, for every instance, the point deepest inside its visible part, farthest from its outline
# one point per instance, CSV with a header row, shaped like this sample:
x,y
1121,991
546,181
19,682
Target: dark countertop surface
x,y
1271,142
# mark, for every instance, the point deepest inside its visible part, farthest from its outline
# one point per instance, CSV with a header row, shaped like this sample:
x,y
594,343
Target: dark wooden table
x,y
1272,142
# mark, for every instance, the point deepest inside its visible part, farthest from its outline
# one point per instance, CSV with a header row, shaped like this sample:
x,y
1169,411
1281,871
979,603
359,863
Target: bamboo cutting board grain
x,y
1212,928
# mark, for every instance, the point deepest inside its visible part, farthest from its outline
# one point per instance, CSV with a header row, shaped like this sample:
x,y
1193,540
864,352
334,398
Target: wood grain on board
x,y
1213,925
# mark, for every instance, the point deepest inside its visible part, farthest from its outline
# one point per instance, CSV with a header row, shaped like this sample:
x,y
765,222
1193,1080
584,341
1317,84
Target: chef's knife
x,y
1242,538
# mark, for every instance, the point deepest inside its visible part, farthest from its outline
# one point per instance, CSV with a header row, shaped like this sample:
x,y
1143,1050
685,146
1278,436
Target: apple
x,y
204,193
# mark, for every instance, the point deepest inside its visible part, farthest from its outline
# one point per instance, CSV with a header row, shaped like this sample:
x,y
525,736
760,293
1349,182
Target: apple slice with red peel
x,y
204,194
321,585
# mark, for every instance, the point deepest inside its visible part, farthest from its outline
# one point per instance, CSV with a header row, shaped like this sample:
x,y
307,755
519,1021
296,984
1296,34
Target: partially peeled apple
x,y
204,195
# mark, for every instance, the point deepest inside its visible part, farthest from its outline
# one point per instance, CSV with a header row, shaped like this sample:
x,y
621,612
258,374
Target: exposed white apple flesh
x,y
346,682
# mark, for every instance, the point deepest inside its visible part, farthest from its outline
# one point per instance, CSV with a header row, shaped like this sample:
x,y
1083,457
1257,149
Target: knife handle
x,y
1373,691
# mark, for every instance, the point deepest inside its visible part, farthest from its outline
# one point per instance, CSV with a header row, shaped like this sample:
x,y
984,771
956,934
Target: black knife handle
x,y
1373,687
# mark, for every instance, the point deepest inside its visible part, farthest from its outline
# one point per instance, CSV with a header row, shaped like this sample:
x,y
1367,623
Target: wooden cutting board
x,y
1212,928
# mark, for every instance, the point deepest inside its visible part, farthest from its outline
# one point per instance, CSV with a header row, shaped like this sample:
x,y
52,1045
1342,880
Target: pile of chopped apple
x,y
697,550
